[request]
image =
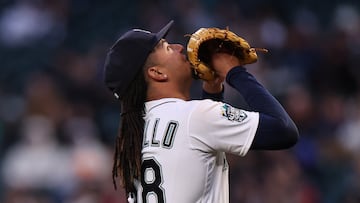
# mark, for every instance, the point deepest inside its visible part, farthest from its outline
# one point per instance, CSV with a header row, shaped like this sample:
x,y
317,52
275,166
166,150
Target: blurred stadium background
x,y
58,121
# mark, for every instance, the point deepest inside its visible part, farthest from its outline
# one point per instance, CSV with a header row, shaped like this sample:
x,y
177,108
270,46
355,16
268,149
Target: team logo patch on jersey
x,y
233,114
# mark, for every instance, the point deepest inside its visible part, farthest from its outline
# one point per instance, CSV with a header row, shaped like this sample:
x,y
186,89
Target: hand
x,y
222,63
214,86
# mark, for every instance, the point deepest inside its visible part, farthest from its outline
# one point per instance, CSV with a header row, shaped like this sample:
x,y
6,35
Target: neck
x,y
155,93
159,95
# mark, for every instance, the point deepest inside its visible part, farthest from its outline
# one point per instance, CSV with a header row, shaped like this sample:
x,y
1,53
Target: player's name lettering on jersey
x,y
168,135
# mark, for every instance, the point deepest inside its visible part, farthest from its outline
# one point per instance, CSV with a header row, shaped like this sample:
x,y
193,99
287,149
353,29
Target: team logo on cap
x,y
233,114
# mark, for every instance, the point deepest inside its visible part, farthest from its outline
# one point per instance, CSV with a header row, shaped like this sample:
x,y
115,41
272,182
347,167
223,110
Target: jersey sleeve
x,y
218,126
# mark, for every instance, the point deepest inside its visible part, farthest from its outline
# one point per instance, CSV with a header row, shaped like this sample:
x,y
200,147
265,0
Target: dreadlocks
x,y
128,144
127,157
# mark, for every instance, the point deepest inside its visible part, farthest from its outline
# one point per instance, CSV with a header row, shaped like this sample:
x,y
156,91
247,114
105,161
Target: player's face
x,y
173,58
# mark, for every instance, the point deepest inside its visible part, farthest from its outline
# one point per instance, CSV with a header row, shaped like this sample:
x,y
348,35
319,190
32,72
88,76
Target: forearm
x,y
257,97
276,129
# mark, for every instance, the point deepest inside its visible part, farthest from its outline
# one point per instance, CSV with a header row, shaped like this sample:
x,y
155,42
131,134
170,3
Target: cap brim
x,y
164,31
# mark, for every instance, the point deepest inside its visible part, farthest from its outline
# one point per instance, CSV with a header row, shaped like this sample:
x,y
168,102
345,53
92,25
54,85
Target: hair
x,y
128,144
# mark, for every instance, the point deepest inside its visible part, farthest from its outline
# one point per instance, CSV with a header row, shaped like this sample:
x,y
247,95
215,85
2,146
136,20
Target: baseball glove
x,y
207,41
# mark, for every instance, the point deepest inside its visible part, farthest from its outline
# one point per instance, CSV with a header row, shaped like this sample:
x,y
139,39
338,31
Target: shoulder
x,y
202,102
204,105
206,108
209,110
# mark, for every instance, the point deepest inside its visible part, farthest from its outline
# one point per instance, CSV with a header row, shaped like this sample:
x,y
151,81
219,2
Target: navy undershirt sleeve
x,y
276,130
214,96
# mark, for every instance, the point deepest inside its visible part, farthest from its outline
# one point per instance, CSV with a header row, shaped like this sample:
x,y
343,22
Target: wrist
x,y
233,72
213,88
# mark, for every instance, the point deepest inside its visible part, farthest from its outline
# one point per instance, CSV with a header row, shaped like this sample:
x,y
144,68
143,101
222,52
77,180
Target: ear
x,y
157,74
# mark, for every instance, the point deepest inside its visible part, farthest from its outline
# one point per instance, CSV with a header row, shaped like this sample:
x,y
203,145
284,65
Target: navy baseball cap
x,y
127,57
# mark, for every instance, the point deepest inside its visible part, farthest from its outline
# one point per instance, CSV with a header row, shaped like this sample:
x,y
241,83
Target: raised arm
x,y
276,129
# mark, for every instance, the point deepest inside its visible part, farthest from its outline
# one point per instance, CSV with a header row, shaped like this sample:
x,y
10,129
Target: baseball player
x,y
171,148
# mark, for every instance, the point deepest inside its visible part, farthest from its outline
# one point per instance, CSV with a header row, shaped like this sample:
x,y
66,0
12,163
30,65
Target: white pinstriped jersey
x,y
184,149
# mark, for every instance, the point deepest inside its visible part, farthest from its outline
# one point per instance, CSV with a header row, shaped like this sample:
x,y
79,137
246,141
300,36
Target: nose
x,y
178,47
